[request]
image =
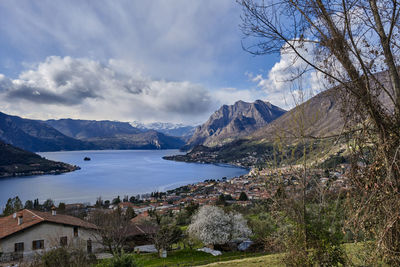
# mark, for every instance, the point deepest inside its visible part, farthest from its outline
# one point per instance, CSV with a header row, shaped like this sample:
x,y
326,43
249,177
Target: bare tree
x,y
113,229
354,45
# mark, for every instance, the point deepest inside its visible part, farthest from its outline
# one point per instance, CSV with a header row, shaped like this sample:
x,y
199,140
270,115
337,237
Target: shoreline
x,y
159,185
67,168
184,158
221,179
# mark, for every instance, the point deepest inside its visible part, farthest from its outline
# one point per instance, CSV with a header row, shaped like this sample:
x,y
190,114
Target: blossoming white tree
x,y
213,226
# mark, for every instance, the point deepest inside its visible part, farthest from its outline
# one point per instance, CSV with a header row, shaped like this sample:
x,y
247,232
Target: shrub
x,y
166,236
266,236
122,260
63,257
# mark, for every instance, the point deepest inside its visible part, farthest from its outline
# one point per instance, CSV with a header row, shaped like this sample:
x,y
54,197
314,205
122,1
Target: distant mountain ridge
x,y
234,121
69,134
145,140
35,135
115,134
167,128
86,129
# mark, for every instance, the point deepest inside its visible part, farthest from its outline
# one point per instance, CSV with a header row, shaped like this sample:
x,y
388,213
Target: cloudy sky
x,y
172,61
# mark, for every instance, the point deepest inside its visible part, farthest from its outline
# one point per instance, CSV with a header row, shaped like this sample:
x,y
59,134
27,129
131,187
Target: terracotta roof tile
x,y
9,225
140,217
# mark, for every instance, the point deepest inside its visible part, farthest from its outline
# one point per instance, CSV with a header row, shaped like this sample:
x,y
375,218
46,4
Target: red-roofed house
x,y
30,231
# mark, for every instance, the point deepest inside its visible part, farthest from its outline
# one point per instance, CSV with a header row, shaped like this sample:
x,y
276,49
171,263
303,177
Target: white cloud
x,y
83,88
123,60
291,79
62,87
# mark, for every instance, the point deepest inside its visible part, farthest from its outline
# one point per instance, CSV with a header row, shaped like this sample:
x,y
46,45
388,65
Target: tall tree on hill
x,y
347,43
13,205
48,204
28,204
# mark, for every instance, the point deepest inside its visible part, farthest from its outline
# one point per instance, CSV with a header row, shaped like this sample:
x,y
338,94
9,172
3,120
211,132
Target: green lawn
x,y
356,252
189,257
273,260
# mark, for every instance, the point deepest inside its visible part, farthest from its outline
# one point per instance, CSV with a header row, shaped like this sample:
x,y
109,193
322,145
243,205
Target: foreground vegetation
x,y
184,258
355,252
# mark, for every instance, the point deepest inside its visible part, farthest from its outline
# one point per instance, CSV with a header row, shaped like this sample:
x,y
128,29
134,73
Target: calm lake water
x,y
110,173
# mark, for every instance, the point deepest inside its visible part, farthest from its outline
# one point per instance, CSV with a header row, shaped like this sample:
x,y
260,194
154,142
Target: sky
x,y
170,61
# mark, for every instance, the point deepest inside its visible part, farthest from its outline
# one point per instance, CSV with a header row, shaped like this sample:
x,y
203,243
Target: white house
x,y
28,231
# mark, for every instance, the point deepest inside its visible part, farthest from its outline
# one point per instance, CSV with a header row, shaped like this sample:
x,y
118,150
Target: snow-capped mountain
x,y
166,128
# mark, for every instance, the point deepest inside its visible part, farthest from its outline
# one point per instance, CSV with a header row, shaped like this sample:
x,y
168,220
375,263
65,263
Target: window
x,y
37,244
19,247
63,241
75,230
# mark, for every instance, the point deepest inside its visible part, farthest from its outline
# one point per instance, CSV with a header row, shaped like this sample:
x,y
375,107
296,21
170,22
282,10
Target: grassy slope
x,y
267,260
355,252
188,257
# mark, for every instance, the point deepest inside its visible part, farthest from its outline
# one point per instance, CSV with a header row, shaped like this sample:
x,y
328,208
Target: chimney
x,y
20,219
53,211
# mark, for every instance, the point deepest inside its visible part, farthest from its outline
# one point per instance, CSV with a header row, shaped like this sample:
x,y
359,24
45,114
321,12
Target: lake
x,y
110,173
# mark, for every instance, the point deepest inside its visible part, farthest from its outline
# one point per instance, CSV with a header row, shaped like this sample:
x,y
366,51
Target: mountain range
x,y
87,129
225,125
231,122
320,116
115,134
36,135
171,129
69,134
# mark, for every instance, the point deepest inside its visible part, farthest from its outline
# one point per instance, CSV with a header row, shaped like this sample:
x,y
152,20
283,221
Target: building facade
x,y
28,232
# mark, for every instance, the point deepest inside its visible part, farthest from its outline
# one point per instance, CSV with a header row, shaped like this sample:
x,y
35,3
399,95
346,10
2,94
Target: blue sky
x,y
175,60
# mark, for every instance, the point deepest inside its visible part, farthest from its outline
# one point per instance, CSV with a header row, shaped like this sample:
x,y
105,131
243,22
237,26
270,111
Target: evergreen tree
x,y
61,207
243,197
116,201
191,208
130,213
99,202
228,197
28,204
221,200
36,204
13,205
48,204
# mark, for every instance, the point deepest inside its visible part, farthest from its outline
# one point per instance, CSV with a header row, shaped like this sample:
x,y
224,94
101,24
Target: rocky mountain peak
x,y
233,121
